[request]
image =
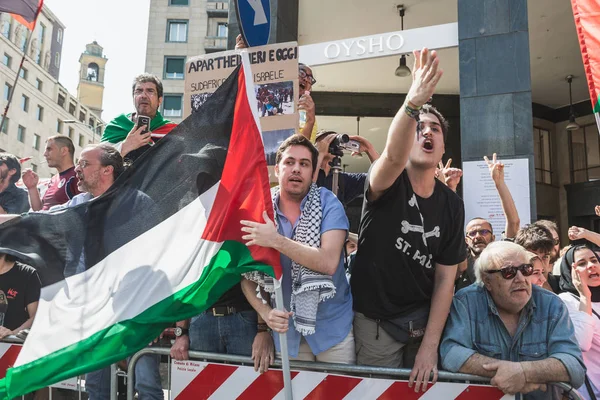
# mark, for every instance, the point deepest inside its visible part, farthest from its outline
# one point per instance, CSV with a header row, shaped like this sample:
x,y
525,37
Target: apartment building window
x,y
542,155
91,122
41,35
23,42
61,100
81,140
585,154
7,60
6,29
23,73
174,67
222,29
36,141
82,116
40,113
72,108
59,126
21,134
71,133
59,35
5,126
177,30
7,90
172,105
25,103
179,2
57,59
40,85
34,167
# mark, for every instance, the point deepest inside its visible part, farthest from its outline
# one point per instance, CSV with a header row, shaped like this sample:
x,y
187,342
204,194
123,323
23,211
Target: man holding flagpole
x,y
309,231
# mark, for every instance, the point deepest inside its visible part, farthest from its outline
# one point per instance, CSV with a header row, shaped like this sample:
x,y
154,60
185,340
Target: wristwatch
x,y
179,331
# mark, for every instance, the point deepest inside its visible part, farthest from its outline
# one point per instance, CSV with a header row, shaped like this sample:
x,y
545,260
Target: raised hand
x,y
496,169
426,75
449,175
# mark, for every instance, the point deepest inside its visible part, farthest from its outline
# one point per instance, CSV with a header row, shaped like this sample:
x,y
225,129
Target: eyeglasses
x,y
84,163
482,232
511,271
302,73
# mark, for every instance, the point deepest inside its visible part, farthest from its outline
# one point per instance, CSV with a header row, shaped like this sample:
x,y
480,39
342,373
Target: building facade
x,y
177,30
41,107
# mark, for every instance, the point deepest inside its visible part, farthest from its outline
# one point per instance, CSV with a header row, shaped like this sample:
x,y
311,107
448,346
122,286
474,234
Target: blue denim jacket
x,y
544,330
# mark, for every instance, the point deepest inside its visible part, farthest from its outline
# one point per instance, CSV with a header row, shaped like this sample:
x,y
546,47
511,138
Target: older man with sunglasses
x,y
504,328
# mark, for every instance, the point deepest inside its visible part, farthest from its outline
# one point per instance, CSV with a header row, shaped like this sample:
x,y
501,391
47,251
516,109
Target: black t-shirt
x,y
20,287
394,269
14,200
350,185
234,297
468,276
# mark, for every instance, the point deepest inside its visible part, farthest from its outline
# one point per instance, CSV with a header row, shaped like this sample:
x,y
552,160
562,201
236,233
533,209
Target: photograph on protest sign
x,y
198,99
275,98
272,140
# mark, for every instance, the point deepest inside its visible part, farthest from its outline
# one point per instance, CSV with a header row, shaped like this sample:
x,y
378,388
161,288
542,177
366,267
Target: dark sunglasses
x,y
511,271
482,232
303,75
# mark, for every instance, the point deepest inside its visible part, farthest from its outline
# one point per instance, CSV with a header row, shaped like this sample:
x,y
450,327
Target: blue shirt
x,y
335,315
544,330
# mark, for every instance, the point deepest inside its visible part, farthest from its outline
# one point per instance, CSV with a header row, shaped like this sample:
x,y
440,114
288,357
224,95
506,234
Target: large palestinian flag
x,y
161,245
587,22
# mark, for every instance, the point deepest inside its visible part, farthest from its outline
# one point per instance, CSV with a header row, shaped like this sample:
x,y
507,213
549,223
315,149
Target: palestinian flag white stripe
x,y
98,298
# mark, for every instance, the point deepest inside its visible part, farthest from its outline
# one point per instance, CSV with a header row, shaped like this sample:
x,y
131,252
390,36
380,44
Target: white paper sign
x,y
481,197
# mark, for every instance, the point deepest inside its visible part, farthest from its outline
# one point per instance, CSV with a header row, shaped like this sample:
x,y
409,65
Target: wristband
x,y
262,328
412,112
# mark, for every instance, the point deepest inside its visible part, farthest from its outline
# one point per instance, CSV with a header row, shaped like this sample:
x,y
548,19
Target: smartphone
x,y
142,120
351,145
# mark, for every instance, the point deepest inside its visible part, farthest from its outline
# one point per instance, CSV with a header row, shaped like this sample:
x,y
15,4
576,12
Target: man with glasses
x,y
505,329
306,105
479,231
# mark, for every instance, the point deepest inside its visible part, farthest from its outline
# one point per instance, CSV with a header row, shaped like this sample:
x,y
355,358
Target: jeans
x,y
231,334
147,380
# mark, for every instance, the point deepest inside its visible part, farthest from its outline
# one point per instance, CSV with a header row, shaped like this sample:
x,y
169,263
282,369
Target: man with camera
x,y
410,239
132,134
331,146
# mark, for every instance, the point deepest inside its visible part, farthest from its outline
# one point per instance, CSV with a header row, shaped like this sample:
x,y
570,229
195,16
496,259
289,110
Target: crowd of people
x,y
417,288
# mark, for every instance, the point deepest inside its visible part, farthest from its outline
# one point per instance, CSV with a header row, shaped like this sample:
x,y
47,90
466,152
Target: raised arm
x,y
576,233
401,135
30,180
508,205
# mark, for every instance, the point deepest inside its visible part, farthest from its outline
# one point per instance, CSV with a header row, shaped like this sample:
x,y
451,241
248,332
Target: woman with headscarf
x,y
580,286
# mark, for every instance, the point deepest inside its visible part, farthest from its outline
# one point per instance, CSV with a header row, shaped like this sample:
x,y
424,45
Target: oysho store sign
x,y
386,44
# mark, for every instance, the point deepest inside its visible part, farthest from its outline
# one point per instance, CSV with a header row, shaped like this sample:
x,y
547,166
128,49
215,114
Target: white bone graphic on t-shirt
x,y
406,227
435,232
413,201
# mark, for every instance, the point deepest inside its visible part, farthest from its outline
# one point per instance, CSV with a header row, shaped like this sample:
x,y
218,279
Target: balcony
x,y
217,8
215,43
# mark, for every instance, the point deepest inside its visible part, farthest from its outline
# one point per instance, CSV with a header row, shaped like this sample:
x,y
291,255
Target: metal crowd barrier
x,y
345,369
67,385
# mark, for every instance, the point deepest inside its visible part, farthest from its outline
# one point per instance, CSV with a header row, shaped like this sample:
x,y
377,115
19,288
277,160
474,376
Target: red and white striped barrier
x,y
191,380
8,356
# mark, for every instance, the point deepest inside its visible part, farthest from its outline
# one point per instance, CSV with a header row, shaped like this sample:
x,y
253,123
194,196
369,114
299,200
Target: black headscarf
x,y
566,281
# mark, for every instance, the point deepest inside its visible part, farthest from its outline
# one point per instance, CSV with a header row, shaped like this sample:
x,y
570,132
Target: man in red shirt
x,y
63,186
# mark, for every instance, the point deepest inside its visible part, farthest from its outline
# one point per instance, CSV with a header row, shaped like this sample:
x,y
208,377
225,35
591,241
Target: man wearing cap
x,y
12,199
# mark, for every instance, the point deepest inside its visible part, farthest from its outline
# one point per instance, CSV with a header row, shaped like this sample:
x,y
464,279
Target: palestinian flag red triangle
x,y
161,245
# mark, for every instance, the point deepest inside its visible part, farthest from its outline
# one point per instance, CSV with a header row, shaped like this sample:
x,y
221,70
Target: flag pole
x,y
285,361
12,92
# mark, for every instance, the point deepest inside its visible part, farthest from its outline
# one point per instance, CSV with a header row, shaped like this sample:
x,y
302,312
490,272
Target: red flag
x,y
587,22
24,11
